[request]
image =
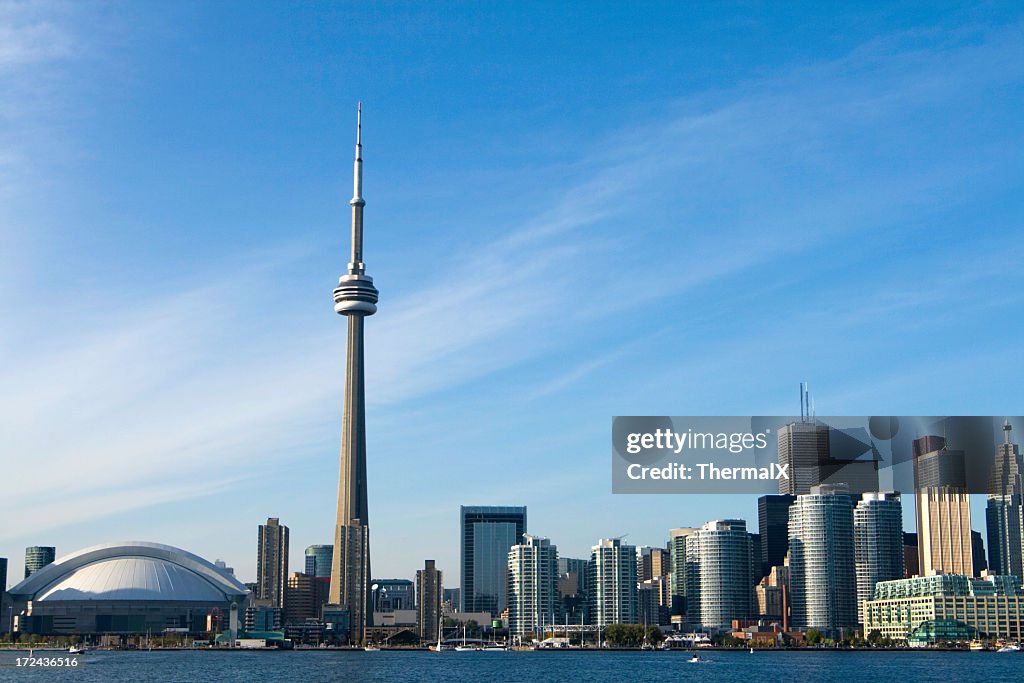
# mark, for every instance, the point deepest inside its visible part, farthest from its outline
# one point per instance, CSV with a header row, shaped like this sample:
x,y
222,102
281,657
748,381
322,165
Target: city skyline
x,y
172,195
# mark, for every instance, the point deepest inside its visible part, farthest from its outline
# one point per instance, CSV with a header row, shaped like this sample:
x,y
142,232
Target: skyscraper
x,y
533,585
430,593
911,559
943,508
719,579
37,557
819,454
318,560
978,552
1004,513
677,568
488,532
773,527
823,582
272,562
878,542
355,297
613,590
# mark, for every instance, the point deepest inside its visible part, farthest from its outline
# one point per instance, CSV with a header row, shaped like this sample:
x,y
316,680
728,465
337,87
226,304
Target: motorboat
x,y
495,647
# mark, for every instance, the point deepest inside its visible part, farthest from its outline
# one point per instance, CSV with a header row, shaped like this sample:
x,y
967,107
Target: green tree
x,y
815,637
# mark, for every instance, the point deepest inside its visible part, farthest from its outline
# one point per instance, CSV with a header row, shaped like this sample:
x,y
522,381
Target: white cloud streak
x,y
174,397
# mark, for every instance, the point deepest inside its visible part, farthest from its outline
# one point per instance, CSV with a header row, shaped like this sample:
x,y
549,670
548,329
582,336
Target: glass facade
x,y
318,560
37,557
488,532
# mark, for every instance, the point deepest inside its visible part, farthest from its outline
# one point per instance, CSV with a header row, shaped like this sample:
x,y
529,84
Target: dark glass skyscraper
x,y
318,560
773,528
1004,514
488,532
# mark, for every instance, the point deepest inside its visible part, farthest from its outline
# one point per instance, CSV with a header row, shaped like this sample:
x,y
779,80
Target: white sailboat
x,y
464,647
440,647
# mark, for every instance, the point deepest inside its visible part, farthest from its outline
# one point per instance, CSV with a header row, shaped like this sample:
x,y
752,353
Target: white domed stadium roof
x,y
135,571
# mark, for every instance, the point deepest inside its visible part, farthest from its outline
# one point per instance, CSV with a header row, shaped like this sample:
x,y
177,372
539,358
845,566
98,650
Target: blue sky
x,y
573,212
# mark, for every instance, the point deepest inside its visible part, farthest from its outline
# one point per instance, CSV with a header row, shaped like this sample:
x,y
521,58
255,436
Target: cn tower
x,y
355,297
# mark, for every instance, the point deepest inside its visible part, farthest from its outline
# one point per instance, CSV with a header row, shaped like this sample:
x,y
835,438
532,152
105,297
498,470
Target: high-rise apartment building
x,y
613,589
651,563
301,599
430,594
272,562
878,542
943,508
1004,513
719,574
677,569
37,557
487,534
533,586
319,559
823,581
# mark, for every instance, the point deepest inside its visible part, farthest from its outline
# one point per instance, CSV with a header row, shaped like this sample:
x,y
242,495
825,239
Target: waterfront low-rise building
x,y
930,609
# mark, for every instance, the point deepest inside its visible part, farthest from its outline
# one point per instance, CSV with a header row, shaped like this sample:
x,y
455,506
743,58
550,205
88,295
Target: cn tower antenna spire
x,y
356,266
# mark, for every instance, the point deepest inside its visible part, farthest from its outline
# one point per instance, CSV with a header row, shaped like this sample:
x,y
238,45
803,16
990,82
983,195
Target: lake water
x,y
531,667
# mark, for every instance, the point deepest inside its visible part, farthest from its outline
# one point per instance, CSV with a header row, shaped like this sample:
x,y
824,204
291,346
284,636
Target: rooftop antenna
x,y
801,401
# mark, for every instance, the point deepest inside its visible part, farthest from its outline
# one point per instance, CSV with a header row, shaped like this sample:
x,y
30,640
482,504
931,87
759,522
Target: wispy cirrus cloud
x,y
176,392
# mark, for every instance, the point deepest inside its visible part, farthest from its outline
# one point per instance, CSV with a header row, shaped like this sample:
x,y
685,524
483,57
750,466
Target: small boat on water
x,y
495,647
1009,648
465,647
696,659
75,650
371,648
